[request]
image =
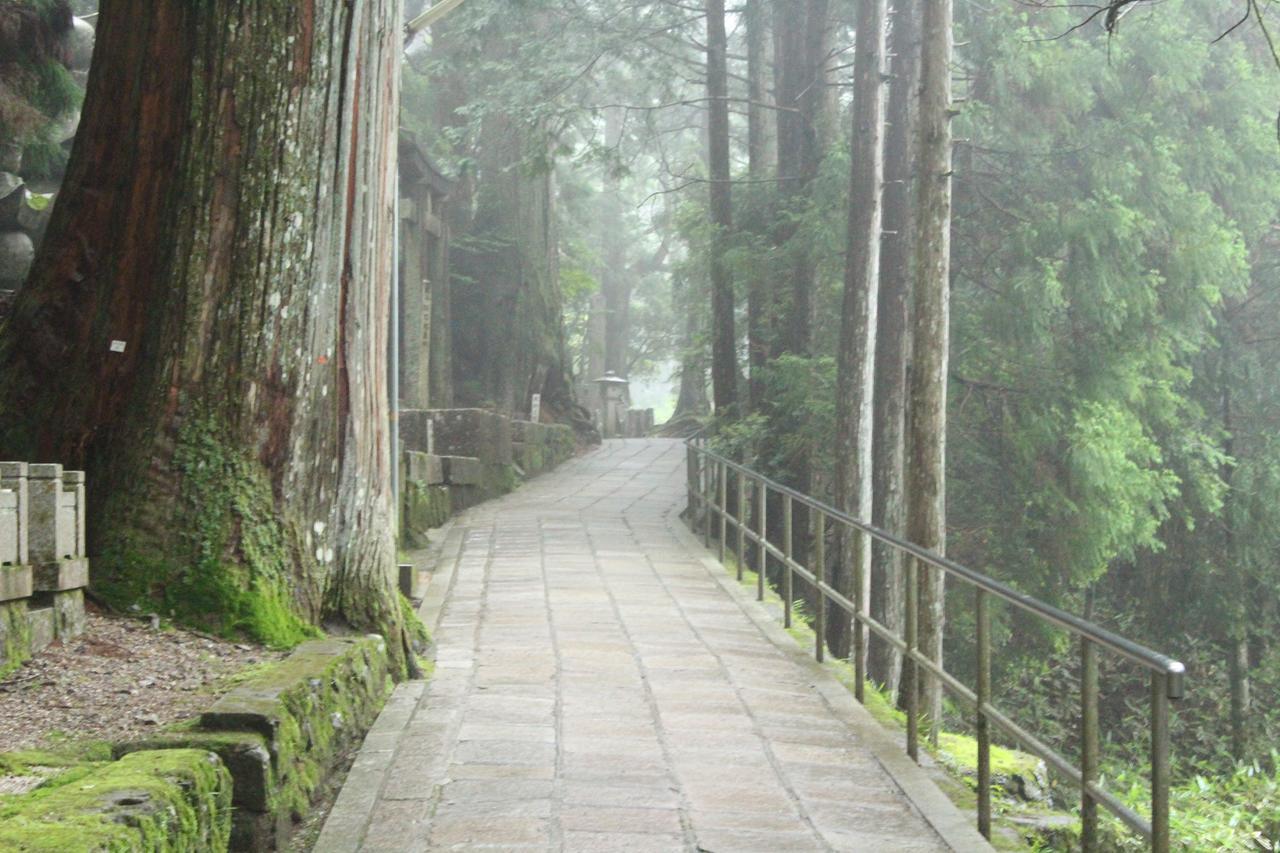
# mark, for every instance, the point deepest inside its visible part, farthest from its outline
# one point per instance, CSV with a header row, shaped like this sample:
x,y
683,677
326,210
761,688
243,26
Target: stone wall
x,y
456,458
43,568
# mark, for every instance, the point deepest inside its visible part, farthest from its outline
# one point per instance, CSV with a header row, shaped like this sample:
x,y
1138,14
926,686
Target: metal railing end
x,y
1177,679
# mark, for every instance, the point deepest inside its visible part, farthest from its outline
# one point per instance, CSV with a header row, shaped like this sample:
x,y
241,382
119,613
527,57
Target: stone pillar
x,y
13,477
45,489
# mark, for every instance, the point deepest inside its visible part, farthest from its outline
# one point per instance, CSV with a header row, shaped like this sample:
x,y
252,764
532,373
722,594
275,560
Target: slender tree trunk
x,y
893,342
801,48
206,331
724,360
801,35
692,399
614,281
855,363
757,156
1238,635
927,425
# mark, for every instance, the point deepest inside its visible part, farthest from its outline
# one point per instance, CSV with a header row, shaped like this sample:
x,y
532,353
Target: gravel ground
x,y
122,679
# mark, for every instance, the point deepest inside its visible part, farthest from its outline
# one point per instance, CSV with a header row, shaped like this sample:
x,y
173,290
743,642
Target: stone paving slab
x,y
600,686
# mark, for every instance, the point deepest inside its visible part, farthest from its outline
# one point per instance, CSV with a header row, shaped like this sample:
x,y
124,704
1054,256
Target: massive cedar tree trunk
x,y
927,425
855,363
227,219
893,342
724,358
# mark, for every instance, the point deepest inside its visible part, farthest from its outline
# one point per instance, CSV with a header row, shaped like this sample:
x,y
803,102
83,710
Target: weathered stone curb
x,y
151,802
281,733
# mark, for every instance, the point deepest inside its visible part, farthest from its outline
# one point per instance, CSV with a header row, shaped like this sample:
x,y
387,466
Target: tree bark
x,y
1238,636
801,47
724,360
927,424
758,295
692,400
855,363
893,342
228,219
615,282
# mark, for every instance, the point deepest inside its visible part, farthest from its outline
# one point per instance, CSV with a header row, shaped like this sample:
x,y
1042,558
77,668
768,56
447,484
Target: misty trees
x,y
855,360
893,342
724,343
930,336
206,328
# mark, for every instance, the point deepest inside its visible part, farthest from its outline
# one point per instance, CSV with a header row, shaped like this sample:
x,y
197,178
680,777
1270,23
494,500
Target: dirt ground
x,y
122,679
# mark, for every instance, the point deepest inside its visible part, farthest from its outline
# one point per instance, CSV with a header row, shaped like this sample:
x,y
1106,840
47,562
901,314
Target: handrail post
x,y
1088,744
742,522
910,667
786,550
859,613
762,551
691,456
1160,762
704,480
722,475
984,725
820,573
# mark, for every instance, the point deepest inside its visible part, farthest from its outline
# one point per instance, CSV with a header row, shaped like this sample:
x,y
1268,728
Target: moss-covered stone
x,y
541,447
159,801
426,507
15,636
282,730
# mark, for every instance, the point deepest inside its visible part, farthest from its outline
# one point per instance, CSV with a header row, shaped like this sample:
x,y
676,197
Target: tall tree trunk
x,y
801,47
724,359
615,283
893,342
227,224
1238,634
801,35
692,400
757,156
927,424
855,363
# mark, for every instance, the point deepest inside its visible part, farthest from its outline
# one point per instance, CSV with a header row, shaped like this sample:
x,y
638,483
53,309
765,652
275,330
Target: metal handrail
x,y
1167,675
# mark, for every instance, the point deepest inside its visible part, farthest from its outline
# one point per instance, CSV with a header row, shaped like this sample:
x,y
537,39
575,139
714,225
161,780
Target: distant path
x,y
598,688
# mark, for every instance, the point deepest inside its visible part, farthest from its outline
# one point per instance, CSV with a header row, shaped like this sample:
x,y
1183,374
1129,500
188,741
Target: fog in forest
x,y
967,312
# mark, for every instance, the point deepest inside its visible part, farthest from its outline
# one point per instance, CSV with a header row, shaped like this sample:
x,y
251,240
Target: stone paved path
x,y
598,688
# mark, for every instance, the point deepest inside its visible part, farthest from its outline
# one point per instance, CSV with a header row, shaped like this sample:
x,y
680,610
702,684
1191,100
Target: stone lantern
x,y
615,401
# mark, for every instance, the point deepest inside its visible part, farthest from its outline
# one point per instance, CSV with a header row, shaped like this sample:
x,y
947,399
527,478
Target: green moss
x,y
172,800
499,480
226,565
310,707
425,508
15,636
417,630
73,755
